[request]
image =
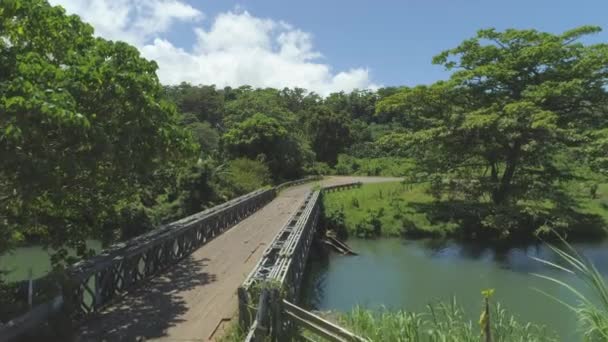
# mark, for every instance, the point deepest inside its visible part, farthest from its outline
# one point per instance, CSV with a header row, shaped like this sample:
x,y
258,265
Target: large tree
x,y
82,125
205,102
266,139
504,128
329,132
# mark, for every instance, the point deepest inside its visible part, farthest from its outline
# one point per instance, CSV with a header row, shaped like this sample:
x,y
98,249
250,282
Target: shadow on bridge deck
x,y
148,312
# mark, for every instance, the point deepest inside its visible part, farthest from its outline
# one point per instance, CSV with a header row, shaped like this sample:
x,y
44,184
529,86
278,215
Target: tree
x,y
205,102
83,126
329,133
298,100
243,175
360,104
266,139
207,137
247,102
503,127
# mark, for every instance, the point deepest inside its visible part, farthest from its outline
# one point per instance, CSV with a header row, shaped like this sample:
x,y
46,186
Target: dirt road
x,y
196,299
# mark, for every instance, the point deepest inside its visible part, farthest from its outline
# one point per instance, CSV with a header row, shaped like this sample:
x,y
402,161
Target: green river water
x,y
396,273
20,261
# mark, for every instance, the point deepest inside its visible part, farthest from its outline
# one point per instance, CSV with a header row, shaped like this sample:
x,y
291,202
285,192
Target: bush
x,y
10,307
318,168
244,175
384,166
335,220
371,226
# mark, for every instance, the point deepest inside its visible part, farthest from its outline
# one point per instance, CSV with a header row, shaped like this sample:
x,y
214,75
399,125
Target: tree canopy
x,y
508,125
83,125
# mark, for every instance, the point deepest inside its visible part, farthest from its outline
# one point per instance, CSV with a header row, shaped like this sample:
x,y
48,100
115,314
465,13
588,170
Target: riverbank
x,y
396,209
443,321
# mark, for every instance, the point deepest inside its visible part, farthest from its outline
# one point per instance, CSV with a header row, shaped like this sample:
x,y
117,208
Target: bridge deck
x,y
195,299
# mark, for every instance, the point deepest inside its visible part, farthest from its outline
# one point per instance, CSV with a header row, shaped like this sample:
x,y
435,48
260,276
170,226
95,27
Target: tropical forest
x,y
469,208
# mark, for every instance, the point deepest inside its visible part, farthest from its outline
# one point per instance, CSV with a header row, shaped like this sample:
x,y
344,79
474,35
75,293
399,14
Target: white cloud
x,y
133,21
238,48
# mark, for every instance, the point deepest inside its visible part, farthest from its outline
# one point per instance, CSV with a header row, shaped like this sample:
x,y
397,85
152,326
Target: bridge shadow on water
x,y
147,312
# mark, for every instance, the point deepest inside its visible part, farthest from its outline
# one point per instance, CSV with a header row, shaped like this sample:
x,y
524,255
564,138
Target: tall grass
x,y
385,209
442,322
233,333
591,310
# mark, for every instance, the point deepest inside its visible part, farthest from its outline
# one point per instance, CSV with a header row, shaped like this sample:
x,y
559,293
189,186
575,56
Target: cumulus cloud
x,y
133,21
236,49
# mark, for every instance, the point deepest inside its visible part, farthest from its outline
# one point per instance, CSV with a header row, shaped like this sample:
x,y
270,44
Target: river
x,y
21,260
404,274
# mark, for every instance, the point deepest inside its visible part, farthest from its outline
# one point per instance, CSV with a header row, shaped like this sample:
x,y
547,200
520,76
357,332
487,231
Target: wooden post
x,y
484,320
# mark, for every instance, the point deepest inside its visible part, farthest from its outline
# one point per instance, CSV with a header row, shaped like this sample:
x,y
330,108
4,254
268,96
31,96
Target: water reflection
x,y
514,258
409,274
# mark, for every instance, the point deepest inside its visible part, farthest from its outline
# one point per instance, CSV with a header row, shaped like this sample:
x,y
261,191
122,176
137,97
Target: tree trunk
x,y
503,191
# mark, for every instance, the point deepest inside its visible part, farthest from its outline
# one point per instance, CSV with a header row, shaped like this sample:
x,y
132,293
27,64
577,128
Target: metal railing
x,y
276,279
95,282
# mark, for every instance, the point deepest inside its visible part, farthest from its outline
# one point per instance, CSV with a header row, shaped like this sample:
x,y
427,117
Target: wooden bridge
x,y
187,281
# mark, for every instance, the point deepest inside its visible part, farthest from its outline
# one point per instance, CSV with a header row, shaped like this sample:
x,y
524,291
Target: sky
x,y
320,45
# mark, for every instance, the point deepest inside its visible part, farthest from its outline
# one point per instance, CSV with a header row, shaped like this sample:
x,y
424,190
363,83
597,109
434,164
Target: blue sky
x,y
372,43
396,40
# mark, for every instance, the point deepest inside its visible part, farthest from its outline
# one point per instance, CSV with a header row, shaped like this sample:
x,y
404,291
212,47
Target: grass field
x,y
393,209
383,206
596,206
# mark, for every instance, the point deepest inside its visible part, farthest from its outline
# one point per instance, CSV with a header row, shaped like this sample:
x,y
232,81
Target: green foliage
x,y
596,151
9,305
234,333
83,125
318,168
508,126
335,220
371,225
204,102
386,209
359,103
409,210
248,102
441,322
329,133
384,166
207,137
592,311
244,175
266,139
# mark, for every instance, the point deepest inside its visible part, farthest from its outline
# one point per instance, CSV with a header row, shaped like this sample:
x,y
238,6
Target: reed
x,y
591,309
441,322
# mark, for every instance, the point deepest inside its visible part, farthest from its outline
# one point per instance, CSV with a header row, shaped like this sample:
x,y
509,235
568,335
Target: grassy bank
x,y
395,209
444,322
381,209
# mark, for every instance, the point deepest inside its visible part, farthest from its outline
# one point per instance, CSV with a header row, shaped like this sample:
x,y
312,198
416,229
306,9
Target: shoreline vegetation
x,y
443,322
396,209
